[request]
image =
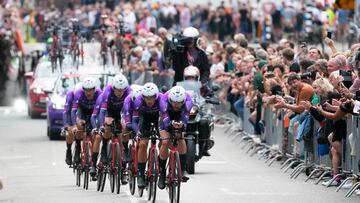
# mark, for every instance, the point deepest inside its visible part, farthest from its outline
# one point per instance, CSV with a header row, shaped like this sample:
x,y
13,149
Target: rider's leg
x,y
164,153
142,158
96,149
125,140
69,141
79,134
106,137
182,153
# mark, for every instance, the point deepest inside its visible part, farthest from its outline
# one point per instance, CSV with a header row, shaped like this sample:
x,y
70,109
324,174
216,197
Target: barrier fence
x,y
270,145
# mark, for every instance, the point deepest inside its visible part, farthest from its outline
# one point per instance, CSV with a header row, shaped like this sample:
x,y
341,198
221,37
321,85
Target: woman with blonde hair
x,y
322,86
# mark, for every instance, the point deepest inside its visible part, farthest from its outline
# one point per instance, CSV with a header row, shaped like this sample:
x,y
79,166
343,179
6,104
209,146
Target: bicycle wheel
x,y
103,180
170,177
112,169
132,170
141,192
112,181
87,165
118,167
154,177
177,179
99,179
78,176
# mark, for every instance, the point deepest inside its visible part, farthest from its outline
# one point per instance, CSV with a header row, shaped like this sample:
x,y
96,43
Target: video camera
x,y
178,43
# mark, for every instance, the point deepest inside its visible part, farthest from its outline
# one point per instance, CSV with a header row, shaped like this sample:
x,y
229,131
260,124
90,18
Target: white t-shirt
x,y
215,69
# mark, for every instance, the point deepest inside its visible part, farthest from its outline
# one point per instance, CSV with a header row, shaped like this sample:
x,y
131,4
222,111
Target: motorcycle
x,y
200,124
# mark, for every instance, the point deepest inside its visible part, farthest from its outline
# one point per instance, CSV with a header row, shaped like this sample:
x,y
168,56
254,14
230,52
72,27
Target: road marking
x,y
15,157
26,167
213,162
228,192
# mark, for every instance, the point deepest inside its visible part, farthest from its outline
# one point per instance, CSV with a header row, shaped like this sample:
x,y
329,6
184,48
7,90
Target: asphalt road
x,y
32,169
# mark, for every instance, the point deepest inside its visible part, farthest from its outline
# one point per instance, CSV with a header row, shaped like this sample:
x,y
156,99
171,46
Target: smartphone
x,y
329,34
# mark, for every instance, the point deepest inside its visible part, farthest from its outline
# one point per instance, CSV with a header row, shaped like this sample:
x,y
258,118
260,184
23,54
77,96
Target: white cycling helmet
x,y
120,82
136,91
149,90
191,32
191,71
89,83
177,94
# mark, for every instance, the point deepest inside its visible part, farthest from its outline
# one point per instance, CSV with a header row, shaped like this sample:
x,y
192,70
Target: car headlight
x,y
38,90
58,102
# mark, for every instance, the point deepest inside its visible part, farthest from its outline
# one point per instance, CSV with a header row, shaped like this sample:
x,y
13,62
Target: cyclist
x,y
111,106
82,109
95,121
178,105
127,111
68,122
126,116
146,111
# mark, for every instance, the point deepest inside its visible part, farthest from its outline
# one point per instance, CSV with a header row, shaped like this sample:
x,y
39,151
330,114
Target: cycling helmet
x,y
120,82
149,90
136,91
191,32
191,71
89,83
177,94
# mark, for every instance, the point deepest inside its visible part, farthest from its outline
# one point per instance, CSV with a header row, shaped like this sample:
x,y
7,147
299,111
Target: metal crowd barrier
x,y
269,147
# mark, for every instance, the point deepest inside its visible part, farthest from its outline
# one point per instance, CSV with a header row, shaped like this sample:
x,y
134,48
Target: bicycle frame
x,y
153,150
114,141
172,155
86,140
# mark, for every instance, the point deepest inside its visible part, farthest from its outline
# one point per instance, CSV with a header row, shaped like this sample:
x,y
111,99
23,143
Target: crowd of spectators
x,y
298,80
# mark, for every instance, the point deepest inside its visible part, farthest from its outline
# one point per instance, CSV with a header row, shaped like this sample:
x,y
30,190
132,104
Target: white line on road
x,y
228,192
14,157
213,162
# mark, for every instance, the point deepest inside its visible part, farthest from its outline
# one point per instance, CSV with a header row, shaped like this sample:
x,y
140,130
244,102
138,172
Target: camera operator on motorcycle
x,y
185,52
177,104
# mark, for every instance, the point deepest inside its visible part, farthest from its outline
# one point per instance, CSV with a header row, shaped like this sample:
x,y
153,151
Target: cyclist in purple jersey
x,y
110,113
128,107
95,121
69,123
178,105
147,110
82,109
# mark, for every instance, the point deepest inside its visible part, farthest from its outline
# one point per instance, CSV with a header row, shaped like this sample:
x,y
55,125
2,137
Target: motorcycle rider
x,y
192,73
177,104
